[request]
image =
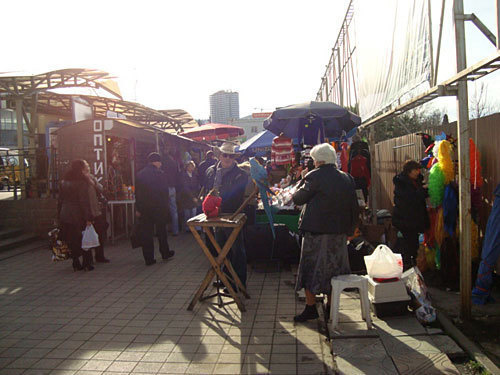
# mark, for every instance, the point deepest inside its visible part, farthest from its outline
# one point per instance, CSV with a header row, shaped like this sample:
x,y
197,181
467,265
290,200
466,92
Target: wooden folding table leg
x,y
210,274
206,281
222,259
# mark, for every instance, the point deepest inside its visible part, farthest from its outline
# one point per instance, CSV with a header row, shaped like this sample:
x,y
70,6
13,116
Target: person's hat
x,y
228,148
154,157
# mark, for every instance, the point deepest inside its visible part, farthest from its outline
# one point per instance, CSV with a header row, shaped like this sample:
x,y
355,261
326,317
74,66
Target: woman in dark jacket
x,y
74,211
329,214
410,211
189,192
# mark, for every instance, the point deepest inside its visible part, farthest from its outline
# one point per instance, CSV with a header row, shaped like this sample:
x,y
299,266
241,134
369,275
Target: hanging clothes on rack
x,y
311,131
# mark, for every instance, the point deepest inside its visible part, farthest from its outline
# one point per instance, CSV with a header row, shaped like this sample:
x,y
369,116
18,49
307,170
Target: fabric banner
x,y
393,51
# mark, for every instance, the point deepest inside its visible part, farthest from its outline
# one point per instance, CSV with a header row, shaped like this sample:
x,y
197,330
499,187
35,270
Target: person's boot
x,y
77,265
169,254
309,313
87,260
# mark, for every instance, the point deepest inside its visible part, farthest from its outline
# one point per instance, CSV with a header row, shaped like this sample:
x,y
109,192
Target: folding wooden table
x,y
216,263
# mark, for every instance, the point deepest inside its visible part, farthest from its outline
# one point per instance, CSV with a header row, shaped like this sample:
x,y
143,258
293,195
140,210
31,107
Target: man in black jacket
x,y
152,208
230,181
203,167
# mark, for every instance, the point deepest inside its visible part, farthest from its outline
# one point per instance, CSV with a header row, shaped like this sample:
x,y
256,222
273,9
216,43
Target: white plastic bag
x,y
90,238
421,300
384,264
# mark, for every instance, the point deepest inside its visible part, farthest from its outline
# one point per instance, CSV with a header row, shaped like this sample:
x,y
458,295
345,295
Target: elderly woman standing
x,y
329,214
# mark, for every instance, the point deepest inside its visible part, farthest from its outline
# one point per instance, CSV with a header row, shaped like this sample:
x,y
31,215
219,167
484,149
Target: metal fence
x,y
391,154
36,177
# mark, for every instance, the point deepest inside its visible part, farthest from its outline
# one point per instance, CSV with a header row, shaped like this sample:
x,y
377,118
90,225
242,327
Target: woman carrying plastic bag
x,y
90,239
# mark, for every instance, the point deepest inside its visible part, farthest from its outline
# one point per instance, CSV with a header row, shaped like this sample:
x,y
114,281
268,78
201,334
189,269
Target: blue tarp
x,y
259,144
489,254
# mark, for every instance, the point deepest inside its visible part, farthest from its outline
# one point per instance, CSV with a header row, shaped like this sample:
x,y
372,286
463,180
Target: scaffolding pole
x,y
20,147
463,165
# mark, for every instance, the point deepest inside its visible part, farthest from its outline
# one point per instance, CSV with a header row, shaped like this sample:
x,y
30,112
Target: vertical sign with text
x,y
98,138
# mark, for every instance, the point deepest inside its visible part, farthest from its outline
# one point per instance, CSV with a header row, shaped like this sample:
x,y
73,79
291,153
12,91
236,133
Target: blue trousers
x,y
237,255
172,203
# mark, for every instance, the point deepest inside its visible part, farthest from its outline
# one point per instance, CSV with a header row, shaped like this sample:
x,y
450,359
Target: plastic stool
x,y
339,283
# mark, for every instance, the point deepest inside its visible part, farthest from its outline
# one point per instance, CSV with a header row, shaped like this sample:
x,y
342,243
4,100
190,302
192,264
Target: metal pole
x,y
438,51
430,42
464,165
20,145
341,89
326,88
373,190
498,22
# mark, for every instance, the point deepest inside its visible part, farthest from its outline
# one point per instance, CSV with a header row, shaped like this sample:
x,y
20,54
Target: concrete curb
x,y
467,345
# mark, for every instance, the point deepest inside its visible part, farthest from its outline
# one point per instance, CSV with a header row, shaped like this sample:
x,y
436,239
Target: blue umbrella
x,y
311,122
489,254
259,144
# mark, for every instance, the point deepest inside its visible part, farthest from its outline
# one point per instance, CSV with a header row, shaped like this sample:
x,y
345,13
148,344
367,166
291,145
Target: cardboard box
x,y
388,299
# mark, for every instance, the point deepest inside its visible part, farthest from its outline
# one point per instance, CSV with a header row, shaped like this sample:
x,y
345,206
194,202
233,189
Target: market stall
x,y
283,209
116,149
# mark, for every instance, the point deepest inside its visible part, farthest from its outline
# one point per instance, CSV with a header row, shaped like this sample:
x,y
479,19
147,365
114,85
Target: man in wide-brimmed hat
x,y
230,181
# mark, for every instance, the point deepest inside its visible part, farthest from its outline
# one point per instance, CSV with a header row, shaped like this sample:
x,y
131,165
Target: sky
x,y
174,54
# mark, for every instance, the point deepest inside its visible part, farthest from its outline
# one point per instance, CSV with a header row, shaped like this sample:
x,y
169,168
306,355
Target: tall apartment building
x,y
224,107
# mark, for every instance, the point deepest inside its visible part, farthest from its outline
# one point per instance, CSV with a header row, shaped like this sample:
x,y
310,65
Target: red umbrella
x,y
211,132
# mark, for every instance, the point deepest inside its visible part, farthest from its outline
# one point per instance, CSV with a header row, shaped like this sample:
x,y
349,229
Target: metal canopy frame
x,y
59,104
24,86
339,74
446,88
36,92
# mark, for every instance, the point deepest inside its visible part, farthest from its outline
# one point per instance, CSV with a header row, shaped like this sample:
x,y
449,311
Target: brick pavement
x,y
125,318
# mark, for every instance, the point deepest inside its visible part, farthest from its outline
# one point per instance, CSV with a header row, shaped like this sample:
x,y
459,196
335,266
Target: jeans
x,y
147,225
188,214
173,210
237,255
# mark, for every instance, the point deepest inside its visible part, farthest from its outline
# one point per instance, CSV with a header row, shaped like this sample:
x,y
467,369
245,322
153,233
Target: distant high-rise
x,y
224,107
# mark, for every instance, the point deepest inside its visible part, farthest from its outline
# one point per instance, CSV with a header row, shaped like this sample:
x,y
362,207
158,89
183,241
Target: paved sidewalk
x,y
396,345
126,318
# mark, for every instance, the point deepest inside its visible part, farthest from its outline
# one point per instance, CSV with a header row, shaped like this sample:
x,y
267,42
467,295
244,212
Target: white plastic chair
x,y
339,283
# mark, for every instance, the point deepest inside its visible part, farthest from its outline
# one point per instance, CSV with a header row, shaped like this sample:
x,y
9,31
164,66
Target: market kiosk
x,y
116,149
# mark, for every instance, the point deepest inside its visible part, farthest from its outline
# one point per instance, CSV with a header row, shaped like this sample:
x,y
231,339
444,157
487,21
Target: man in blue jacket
x,y
230,181
151,196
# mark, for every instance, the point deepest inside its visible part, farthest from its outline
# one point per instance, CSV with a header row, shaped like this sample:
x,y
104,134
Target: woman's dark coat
x,y
330,203
189,189
74,204
410,212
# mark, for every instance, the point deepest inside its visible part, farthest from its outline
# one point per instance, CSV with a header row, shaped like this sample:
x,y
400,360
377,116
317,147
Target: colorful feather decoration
x,y
476,178
445,161
439,228
436,185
